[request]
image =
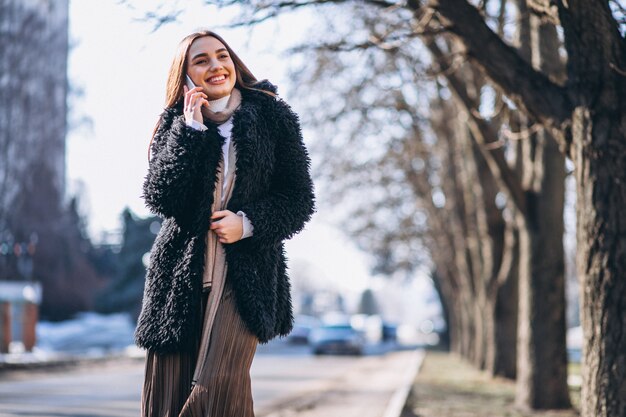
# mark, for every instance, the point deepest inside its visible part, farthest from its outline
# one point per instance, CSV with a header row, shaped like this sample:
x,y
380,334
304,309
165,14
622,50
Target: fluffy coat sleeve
x,y
291,200
173,168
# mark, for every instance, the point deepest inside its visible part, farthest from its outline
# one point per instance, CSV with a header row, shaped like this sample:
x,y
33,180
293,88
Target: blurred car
x,y
88,332
336,338
302,327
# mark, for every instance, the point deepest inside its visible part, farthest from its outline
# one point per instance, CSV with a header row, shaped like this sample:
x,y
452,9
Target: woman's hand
x,y
229,228
194,100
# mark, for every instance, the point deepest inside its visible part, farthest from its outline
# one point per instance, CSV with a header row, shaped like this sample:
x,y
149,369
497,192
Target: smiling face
x,y
210,66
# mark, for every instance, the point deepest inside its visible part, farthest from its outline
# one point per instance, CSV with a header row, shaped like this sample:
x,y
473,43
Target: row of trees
x,y
124,265
457,118
446,178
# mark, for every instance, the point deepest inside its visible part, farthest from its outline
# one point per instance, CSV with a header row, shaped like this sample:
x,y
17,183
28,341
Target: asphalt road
x,y
286,381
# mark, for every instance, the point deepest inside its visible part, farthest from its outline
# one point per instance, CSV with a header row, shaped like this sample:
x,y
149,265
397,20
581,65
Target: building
x,y
33,120
33,90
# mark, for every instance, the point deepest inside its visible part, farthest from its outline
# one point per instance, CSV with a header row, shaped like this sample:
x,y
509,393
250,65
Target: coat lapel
x,y
250,155
254,156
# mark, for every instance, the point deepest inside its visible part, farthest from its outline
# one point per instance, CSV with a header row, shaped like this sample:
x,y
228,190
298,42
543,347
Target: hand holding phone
x,y
194,100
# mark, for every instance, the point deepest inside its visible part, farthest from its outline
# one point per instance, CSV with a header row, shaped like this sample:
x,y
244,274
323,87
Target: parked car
x,y
336,338
302,329
88,332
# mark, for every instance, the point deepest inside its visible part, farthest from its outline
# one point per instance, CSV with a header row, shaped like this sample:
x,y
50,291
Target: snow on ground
x,y
89,332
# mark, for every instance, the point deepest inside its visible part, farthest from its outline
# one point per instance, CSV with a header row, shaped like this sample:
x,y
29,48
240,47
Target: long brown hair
x,y
176,76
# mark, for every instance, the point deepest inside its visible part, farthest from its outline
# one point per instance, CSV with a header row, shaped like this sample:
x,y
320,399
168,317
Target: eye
x,y
201,61
224,56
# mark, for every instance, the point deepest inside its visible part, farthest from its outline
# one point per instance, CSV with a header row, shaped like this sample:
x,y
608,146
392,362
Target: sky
x,y
120,65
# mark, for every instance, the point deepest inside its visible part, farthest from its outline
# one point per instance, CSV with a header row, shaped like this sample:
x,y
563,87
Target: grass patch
x,y
447,386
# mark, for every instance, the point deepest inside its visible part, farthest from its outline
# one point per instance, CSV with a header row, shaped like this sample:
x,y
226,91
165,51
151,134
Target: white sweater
x,y
225,130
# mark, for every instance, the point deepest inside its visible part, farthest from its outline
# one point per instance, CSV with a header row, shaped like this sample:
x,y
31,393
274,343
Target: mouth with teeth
x,y
217,79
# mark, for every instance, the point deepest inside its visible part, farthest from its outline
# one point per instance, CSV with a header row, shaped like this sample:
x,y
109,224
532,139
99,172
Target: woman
x,y
229,175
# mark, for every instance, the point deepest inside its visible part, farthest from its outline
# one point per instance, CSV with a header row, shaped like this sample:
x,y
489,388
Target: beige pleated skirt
x,y
223,388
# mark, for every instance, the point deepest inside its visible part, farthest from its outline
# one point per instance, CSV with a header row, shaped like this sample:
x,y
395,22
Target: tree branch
x,y
544,9
273,9
388,43
531,90
484,135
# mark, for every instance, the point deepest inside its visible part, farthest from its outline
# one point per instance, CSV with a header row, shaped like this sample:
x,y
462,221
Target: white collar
x,y
219,104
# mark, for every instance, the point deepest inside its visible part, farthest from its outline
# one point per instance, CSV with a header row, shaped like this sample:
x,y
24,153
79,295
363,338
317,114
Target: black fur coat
x,y
273,187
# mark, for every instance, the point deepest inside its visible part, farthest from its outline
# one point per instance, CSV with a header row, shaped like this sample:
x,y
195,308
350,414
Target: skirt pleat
x,y
223,388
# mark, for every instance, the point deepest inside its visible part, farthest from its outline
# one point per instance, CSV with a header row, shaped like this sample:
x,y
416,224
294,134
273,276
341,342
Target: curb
x,y
398,400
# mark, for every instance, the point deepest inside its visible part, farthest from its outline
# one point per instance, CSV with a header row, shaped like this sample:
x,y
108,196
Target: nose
x,y
215,64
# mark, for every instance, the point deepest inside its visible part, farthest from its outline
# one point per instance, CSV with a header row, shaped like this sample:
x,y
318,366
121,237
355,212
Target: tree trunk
x,y
499,275
542,357
502,359
601,229
468,330
440,282
597,64
476,236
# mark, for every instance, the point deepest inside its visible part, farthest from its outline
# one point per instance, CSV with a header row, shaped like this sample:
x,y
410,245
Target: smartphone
x,y
190,84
